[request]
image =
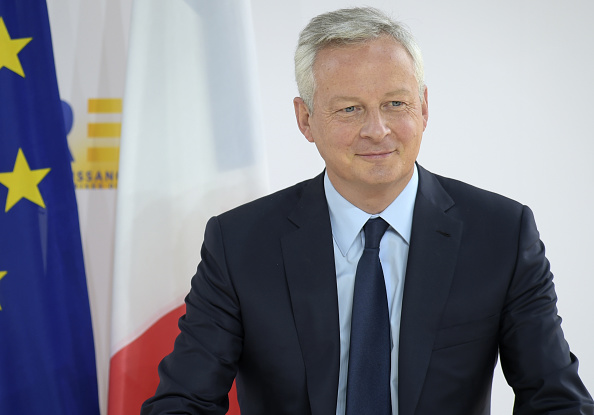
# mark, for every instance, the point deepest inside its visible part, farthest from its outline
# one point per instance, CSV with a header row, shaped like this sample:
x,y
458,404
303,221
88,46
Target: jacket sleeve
x,y
535,357
197,376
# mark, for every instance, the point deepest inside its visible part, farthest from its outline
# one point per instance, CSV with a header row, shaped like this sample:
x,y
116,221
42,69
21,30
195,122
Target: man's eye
x,y
396,103
349,109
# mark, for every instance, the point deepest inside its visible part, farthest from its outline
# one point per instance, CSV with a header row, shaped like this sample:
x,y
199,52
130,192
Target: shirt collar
x,y
347,220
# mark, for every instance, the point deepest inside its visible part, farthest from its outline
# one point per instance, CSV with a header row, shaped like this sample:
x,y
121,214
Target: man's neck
x,y
370,198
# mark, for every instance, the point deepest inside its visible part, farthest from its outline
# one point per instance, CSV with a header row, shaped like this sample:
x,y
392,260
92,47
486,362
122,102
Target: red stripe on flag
x,y
133,376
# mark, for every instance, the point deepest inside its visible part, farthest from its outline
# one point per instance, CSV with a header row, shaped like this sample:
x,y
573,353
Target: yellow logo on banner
x,y
97,154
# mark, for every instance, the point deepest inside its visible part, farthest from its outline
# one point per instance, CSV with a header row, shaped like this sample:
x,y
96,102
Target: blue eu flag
x,y
47,358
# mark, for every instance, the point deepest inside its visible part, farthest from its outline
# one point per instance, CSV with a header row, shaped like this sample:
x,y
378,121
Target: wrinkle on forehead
x,y
346,75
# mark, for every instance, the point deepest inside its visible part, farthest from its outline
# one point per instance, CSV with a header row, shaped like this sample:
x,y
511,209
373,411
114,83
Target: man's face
x,y
368,118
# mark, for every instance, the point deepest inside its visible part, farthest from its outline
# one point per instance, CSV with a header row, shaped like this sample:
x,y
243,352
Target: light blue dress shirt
x,y
347,230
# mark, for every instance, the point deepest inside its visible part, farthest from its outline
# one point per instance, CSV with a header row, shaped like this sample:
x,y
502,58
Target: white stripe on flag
x,y
190,149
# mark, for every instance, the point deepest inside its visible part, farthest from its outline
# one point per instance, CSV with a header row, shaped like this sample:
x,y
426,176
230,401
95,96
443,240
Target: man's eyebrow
x,y
347,98
344,98
398,91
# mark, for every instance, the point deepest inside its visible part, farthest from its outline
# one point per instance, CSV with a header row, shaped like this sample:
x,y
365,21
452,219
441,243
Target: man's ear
x,y
303,116
425,108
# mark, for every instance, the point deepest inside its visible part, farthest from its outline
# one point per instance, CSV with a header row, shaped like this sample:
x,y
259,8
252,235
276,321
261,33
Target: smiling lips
x,y
377,155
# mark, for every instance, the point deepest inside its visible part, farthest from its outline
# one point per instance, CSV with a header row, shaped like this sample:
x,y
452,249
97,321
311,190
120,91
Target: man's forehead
x,y
336,53
345,58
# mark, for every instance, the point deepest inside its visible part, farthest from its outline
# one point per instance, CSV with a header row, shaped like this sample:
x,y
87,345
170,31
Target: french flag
x,y
181,162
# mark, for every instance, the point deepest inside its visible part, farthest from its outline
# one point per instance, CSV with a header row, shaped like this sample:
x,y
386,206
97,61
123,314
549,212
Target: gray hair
x,y
348,27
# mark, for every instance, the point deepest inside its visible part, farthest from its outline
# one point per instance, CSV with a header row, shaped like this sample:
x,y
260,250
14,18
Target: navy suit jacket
x,y
263,309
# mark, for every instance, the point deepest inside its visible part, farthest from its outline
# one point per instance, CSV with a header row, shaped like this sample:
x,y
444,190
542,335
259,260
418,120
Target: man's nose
x,y
375,126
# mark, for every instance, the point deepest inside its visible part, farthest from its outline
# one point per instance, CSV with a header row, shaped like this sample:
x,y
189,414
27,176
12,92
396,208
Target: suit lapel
x,y
311,276
435,240
309,265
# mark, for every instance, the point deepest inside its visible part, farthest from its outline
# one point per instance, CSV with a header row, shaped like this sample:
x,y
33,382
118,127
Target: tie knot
x,y
374,230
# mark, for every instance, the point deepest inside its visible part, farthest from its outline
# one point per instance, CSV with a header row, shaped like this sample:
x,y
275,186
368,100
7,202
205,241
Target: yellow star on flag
x,y
2,274
9,50
22,182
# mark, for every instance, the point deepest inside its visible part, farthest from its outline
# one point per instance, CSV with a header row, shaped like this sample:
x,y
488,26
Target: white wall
x,y
510,100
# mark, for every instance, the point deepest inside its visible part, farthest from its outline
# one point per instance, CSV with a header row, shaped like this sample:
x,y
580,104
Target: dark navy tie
x,y
368,382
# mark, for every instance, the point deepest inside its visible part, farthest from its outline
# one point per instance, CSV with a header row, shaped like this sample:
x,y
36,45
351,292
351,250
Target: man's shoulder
x,y
460,188
278,204
468,197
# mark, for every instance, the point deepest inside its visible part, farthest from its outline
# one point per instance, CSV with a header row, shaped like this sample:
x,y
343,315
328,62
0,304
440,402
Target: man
x,y
286,298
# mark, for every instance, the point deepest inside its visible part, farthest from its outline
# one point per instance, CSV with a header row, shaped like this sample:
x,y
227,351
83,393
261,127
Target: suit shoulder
x,y
275,205
459,188
485,212
467,194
